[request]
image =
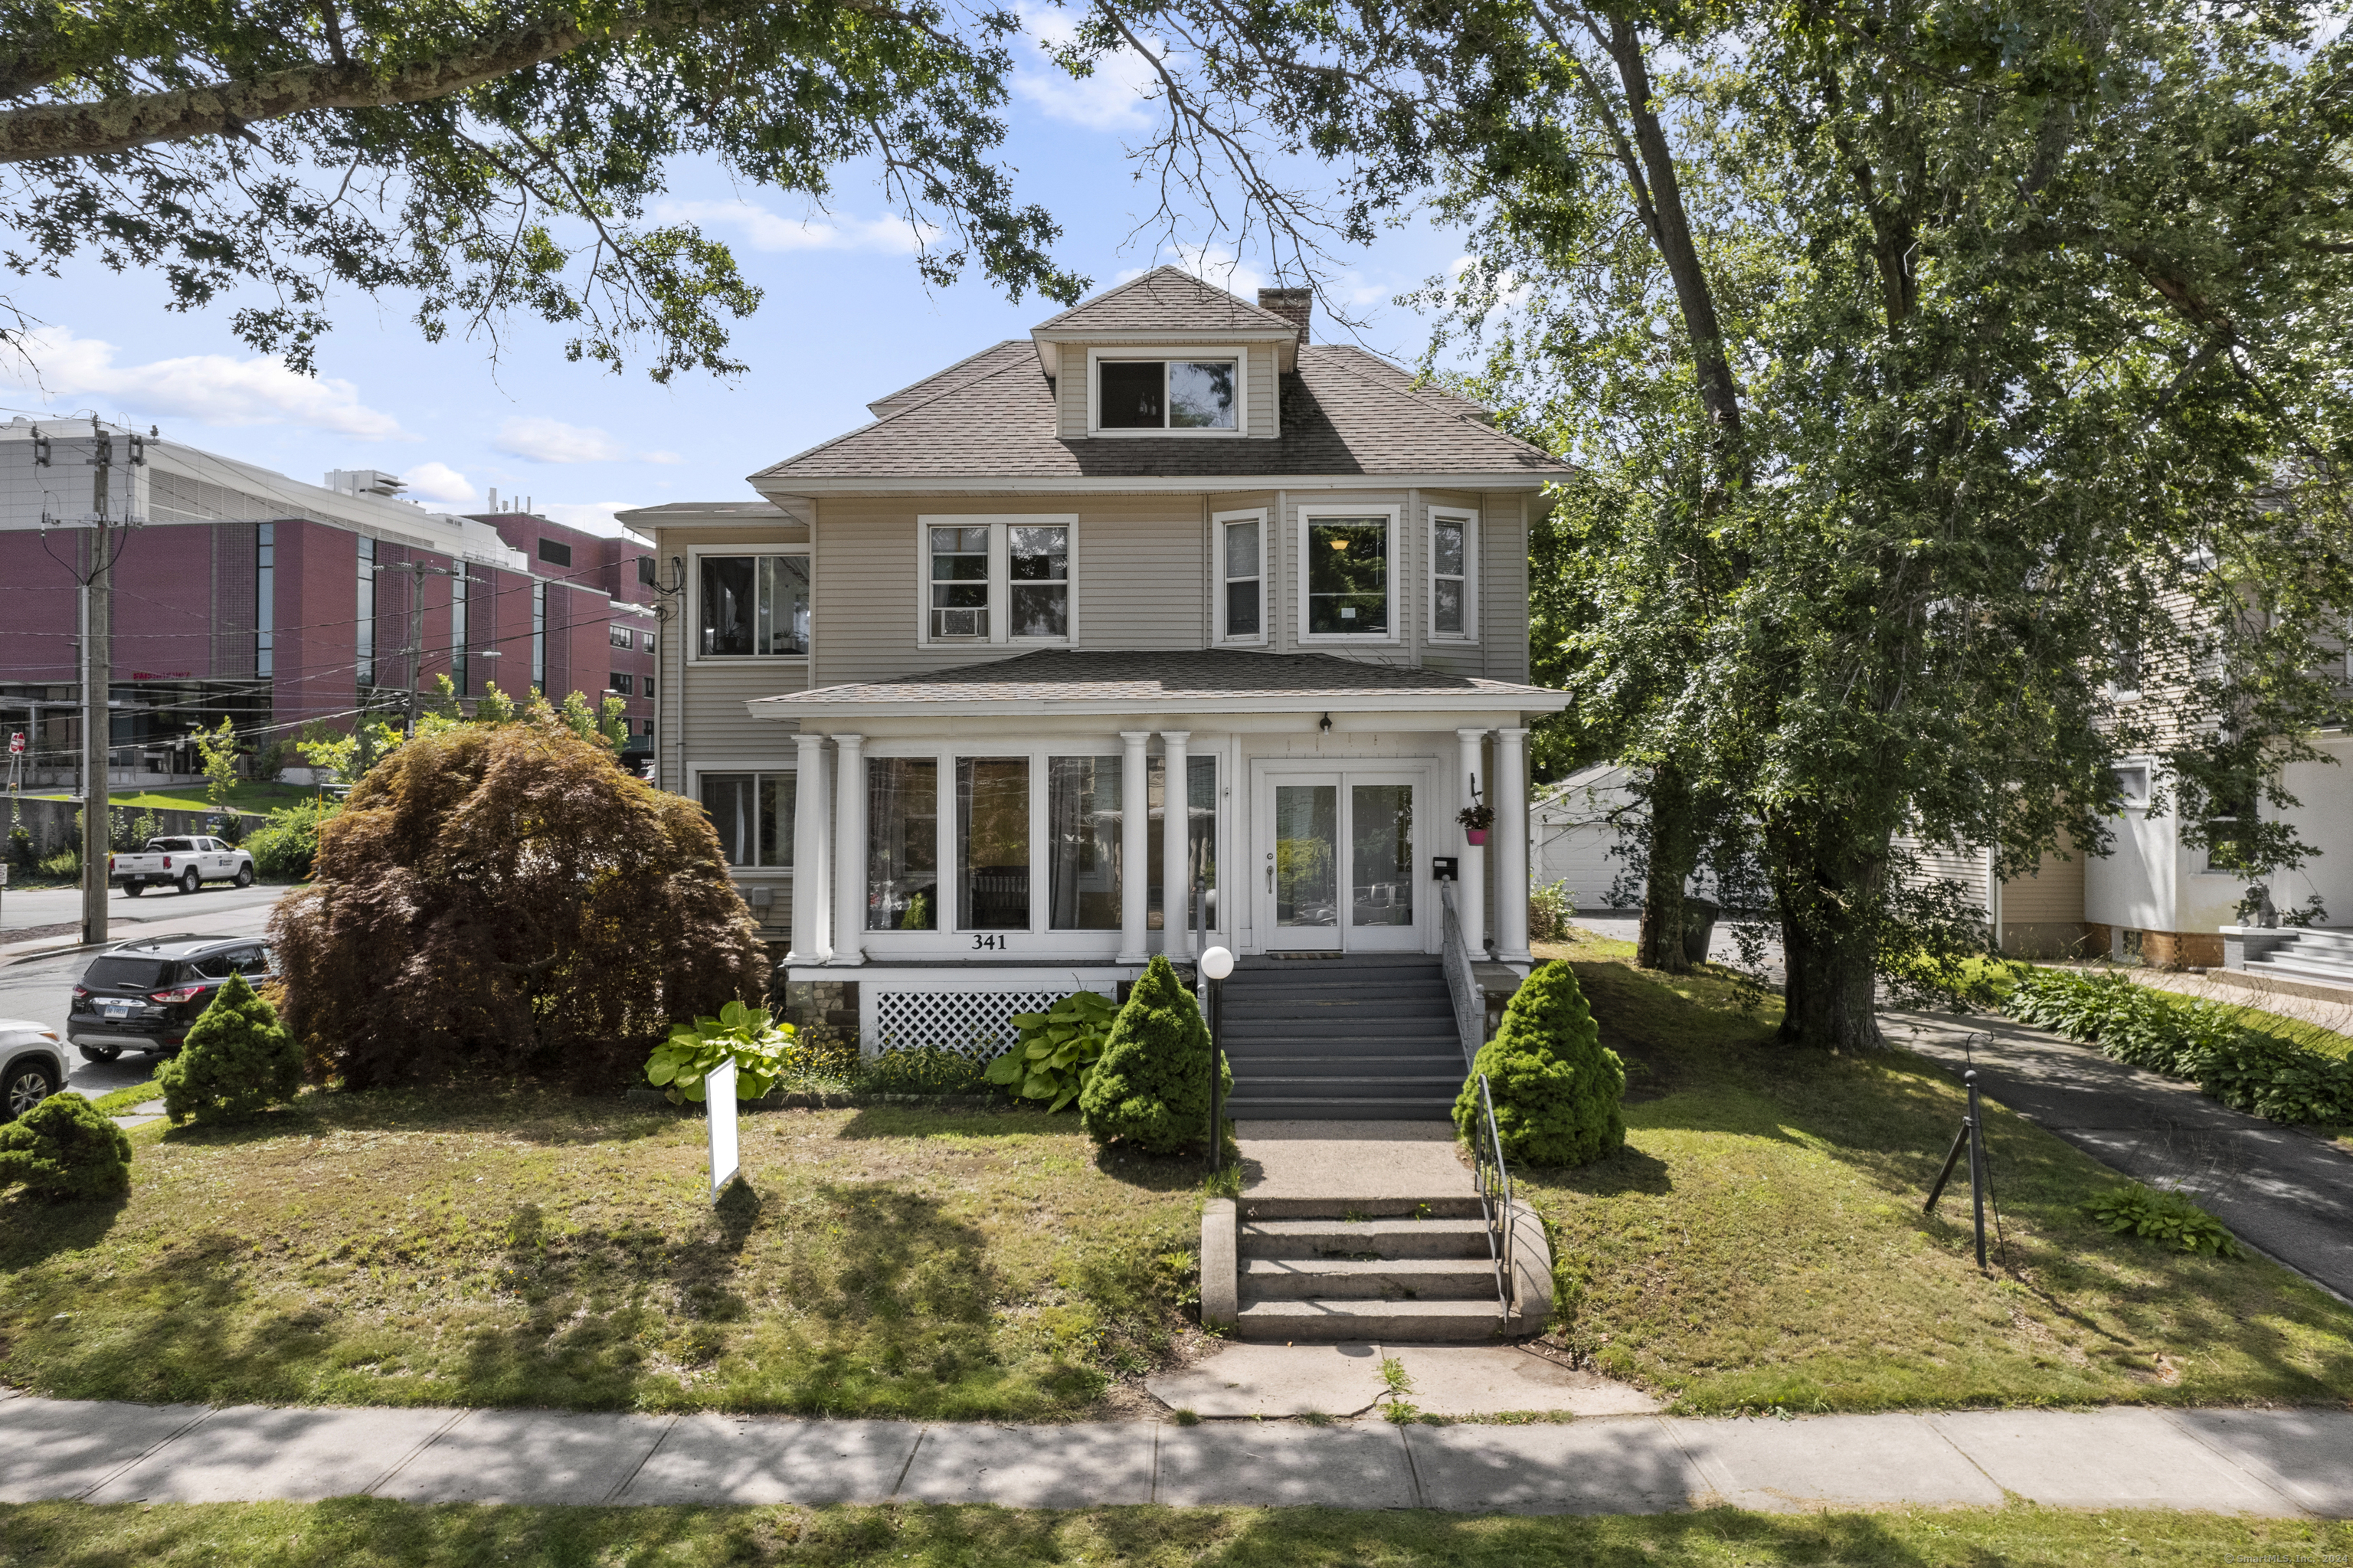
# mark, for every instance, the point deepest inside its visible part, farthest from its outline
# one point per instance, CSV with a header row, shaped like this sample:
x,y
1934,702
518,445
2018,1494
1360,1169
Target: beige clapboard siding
x,y
1140,564
2049,895
700,717
1260,397
1503,584
1937,863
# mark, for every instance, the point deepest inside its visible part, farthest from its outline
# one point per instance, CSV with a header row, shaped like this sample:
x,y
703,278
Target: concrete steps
x,y
2313,953
1358,1038
1401,1279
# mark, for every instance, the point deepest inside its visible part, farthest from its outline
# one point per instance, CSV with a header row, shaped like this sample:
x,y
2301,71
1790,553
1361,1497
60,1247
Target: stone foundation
x,y
2158,950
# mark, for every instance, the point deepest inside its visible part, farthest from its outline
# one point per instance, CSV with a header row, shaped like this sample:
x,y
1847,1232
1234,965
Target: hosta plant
x,y
748,1036
2166,1218
1057,1049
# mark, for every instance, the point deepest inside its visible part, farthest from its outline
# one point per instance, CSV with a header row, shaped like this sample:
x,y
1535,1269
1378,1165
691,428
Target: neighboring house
x,y
935,686
1574,832
241,593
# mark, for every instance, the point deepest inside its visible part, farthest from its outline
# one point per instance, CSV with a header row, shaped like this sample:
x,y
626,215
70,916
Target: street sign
x,y
719,1108
16,742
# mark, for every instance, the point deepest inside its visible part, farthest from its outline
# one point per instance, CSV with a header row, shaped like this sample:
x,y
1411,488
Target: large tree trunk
x,y
1673,852
1828,895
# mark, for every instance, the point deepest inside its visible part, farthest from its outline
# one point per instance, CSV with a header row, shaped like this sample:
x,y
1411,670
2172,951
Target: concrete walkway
x,y
2296,1463
2282,1189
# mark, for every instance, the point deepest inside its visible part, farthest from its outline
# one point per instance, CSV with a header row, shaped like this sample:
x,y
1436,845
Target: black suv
x,y
144,995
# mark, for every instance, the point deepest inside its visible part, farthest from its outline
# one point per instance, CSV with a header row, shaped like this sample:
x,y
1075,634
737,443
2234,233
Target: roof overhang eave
x,y
806,487
1521,699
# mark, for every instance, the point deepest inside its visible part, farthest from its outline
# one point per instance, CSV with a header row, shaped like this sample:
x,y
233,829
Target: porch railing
x,y
1470,1000
1495,1181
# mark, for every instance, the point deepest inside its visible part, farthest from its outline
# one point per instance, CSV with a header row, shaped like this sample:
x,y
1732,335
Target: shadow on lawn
x,y
32,1232
550,1116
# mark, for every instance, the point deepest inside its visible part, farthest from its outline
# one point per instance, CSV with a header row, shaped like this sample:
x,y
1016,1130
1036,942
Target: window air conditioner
x,y
959,623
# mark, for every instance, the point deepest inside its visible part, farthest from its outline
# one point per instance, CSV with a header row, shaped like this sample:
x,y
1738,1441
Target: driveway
x,y
2282,1189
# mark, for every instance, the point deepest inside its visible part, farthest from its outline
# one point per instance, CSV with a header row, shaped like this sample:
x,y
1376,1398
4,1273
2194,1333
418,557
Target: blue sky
x,y
846,320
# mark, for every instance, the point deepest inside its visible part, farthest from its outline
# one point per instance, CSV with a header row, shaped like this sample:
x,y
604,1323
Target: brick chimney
x,y
1292,304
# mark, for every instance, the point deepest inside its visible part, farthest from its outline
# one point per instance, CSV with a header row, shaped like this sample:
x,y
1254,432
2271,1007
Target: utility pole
x,y
418,571
98,676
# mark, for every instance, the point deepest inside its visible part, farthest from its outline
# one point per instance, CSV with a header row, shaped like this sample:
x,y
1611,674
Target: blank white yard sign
x,y
719,1105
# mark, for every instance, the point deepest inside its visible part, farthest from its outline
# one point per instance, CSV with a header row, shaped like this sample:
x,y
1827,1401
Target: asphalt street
x,y
39,988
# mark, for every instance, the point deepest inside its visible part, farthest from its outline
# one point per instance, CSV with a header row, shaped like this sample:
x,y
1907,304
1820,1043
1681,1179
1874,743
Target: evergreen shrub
x,y
237,1061
64,1150
1557,1088
1150,1088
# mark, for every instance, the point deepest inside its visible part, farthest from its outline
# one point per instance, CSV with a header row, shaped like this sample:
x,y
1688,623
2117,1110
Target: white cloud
x,y
552,440
1213,264
660,457
594,517
1117,97
766,230
438,482
211,388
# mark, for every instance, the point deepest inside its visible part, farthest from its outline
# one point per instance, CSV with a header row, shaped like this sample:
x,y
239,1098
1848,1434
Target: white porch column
x,y
811,887
1175,885
1134,841
1472,890
1511,798
849,850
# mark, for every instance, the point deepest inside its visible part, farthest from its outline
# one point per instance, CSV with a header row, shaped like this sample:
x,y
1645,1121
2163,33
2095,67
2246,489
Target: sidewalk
x,y
2286,1463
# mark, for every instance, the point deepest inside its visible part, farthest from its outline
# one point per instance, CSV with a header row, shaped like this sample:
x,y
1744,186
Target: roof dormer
x,y
1167,354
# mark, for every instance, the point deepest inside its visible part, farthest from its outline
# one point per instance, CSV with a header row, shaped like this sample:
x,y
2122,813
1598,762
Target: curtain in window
x,y
1200,836
902,838
1083,816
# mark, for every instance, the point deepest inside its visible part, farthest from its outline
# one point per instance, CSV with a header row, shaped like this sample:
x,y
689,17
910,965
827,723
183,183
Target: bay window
x,y
1240,554
1452,549
752,606
1344,578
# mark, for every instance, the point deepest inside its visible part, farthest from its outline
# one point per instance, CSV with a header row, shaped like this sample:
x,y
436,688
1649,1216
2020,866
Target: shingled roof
x,y
1226,678
1344,412
1167,298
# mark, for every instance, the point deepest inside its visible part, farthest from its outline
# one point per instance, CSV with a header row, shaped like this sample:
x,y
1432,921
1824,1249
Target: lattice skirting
x,y
975,1024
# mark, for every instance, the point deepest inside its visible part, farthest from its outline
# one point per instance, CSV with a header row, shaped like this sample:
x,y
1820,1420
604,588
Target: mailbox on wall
x,y
1442,867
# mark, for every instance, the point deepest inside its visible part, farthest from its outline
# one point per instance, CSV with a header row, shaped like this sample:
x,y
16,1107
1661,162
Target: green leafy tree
x,y
488,161
238,1061
1557,1088
217,750
64,1150
1150,1088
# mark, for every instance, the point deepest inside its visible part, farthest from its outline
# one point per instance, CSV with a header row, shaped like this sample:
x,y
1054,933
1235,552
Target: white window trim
x,y
697,767
1469,521
1238,352
1308,517
1218,521
1001,585
691,628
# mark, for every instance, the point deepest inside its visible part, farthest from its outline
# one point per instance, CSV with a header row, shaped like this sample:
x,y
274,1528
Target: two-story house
x,y
941,685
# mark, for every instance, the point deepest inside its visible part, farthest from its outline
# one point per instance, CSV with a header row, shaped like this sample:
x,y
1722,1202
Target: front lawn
x,y
522,1248
1759,1242
245,795
363,1532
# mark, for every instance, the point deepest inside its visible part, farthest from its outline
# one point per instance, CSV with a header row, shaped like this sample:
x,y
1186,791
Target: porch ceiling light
x,y
1325,723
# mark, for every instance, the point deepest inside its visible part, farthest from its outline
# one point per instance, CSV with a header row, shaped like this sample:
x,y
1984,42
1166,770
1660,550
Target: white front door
x,y
1339,862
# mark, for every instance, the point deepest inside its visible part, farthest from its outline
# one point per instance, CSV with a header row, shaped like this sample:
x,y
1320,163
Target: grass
x,y
524,1248
1759,1242
245,795
363,1532
122,1102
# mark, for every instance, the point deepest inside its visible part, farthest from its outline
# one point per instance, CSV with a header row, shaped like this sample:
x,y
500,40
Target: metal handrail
x,y
1470,1002
1495,1182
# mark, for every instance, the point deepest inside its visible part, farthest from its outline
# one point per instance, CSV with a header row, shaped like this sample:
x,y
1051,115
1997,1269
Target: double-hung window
x,y
1240,554
754,814
752,606
618,636
1453,552
1347,575
998,580
1168,393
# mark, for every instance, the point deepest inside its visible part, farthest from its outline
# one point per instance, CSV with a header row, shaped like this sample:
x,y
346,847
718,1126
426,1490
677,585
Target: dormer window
x,y
1167,394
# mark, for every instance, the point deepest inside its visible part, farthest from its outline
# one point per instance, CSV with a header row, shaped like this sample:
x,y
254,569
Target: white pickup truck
x,y
184,864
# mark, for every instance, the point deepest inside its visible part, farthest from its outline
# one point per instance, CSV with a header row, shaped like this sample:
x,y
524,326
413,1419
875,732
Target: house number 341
x,y
997,941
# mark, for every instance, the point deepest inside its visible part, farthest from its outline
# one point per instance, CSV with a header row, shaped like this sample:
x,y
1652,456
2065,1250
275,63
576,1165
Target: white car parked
x,y
32,1065
186,864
